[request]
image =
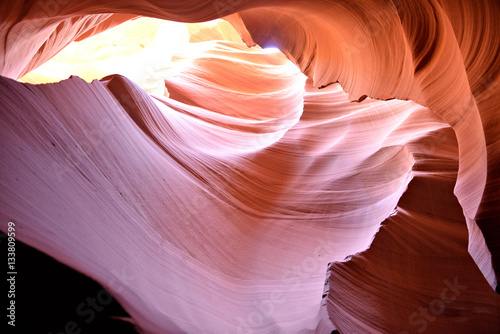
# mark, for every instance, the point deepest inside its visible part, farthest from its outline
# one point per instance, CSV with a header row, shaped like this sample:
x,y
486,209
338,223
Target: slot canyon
x,y
259,166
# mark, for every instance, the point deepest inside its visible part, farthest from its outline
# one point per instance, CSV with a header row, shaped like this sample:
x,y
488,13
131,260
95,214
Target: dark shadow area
x,y
51,298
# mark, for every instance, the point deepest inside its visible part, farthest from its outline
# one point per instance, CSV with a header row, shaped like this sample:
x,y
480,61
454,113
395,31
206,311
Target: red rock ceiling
x,y
373,146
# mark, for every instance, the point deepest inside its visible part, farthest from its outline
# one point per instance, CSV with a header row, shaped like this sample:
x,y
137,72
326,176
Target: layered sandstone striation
x,y
210,183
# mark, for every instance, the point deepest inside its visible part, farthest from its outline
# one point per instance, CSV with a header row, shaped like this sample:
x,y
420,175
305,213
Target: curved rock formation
x,y
218,195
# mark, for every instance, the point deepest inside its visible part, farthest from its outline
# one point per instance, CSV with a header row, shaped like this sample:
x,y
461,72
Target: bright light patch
x,y
140,49
146,51
271,49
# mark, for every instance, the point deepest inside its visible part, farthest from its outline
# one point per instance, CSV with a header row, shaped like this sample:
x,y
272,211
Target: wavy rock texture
x,y
221,201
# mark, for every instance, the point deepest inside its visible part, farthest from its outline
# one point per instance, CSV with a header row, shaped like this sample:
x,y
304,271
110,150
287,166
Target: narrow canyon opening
x,y
342,177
